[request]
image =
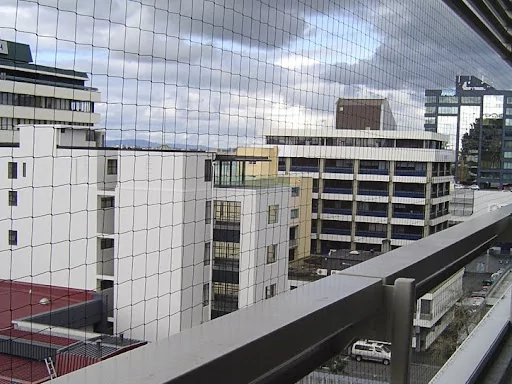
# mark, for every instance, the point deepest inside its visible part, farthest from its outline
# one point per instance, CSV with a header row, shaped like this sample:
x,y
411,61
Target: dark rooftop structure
x,y
16,64
315,267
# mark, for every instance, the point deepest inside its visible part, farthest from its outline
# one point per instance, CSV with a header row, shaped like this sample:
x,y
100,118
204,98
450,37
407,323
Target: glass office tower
x,y
478,120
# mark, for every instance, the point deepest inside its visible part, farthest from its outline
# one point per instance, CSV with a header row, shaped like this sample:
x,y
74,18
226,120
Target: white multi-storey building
x,y
435,311
369,185
251,225
36,94
132,223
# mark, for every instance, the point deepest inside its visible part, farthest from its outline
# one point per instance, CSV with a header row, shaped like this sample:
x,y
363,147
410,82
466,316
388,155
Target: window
x,y
208,212
448,100
207,249
508,121
430,120
507,155
471,100
208,170
508,111
90,135
12,170
107,202
273,211
448,110
226,250
24,169
431,99
509,100
13,237
271,253
13,198
295,191
270,291
112,167
106,243
430,110
294,213
228,211
206,294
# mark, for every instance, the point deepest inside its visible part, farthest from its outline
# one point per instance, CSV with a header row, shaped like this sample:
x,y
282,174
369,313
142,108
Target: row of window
x,y
20,100
455,99
7,123
353,142
230,211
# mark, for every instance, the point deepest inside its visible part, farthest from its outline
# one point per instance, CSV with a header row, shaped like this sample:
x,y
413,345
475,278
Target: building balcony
x,y
207,349
343,191
373,192
409,215
304,168
407,172
337,211
416,194
406,236
371,234
425,316
372,213
338,170
366,171
336,231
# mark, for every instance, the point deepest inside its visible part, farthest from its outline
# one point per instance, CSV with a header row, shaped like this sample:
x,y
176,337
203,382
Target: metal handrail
x,y
300,329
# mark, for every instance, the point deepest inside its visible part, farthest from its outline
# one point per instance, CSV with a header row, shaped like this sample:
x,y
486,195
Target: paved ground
x,y
370,372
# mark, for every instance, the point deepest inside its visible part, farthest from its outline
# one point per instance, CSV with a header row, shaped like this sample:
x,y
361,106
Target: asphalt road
x,y
376,372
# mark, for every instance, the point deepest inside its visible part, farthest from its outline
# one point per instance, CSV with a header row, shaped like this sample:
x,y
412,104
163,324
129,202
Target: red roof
x,y
22,369
19,300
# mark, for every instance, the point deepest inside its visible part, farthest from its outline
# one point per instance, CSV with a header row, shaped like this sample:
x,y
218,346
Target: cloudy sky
x,y
217,72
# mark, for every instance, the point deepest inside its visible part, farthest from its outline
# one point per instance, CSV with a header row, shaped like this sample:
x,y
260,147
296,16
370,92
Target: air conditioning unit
x,y
321,272
335,272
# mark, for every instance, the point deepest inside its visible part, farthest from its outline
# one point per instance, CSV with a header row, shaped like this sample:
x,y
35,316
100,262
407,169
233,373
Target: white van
x,y
371,350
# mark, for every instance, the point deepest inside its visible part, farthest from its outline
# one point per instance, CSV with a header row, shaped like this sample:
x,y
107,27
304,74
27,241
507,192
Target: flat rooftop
x,y
19,300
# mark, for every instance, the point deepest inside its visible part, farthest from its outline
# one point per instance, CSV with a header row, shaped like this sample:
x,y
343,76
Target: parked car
x,y
475,187
369,350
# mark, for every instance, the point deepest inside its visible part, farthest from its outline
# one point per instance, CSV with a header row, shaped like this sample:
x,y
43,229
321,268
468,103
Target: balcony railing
x,y
336,231
337,211
373,192
304,168
338,170
343,191
425,316
410,172
417,194
434,215
409,215
406,236
371,234
369,171
313,332
362,212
